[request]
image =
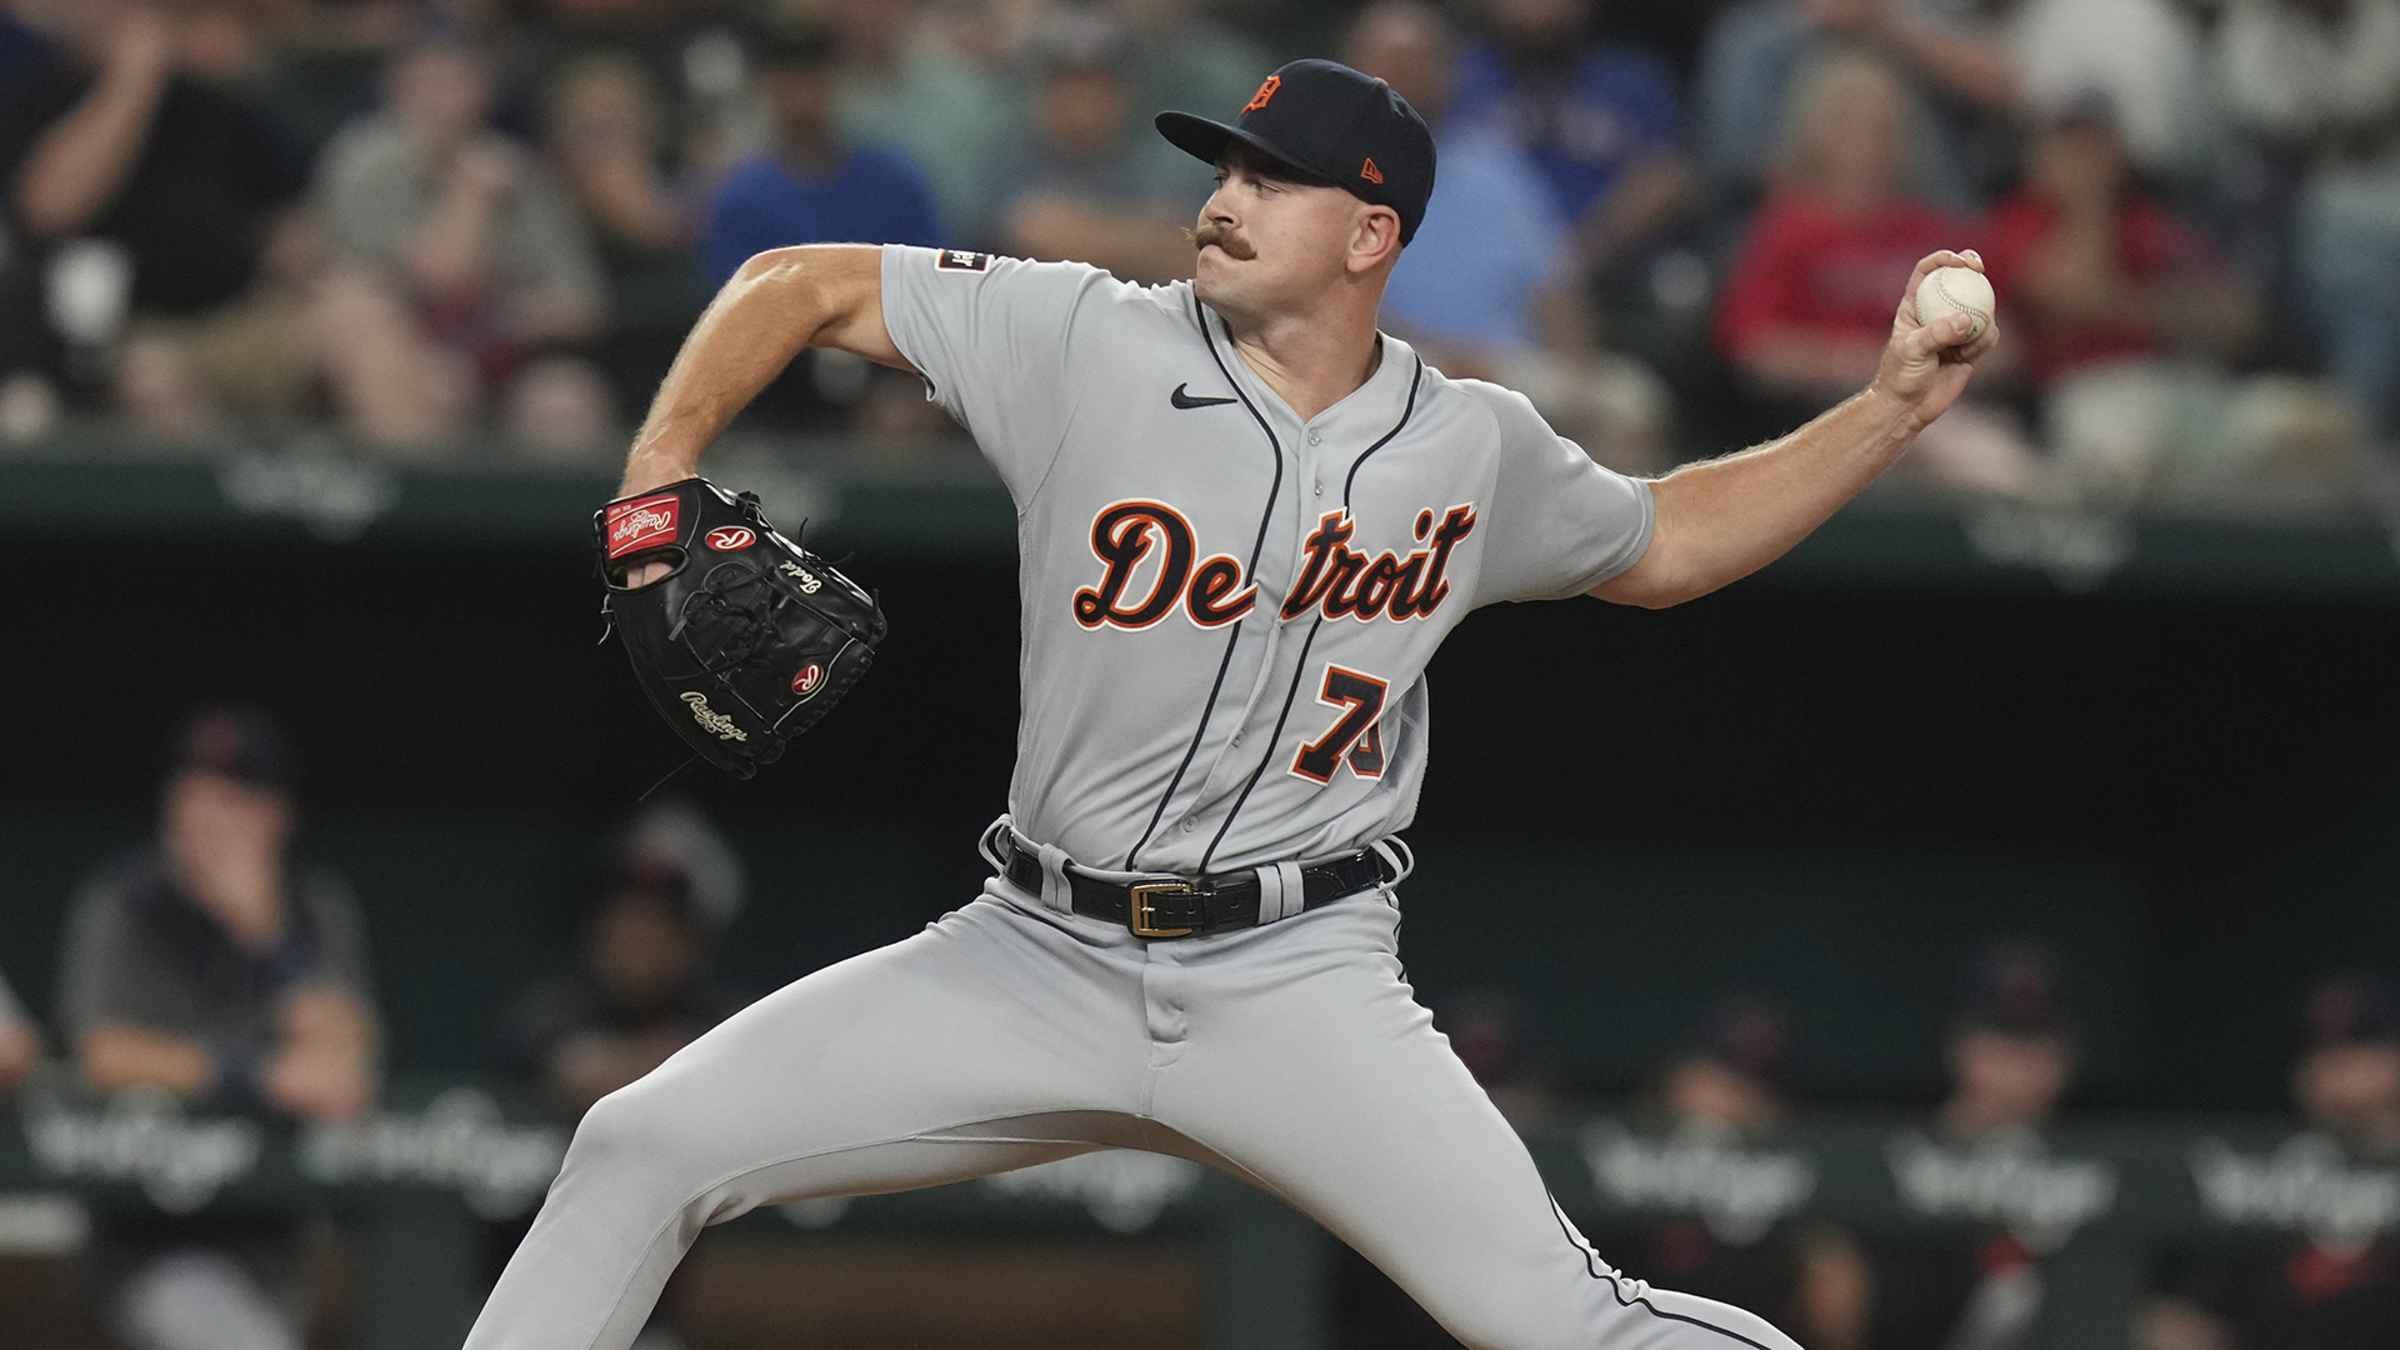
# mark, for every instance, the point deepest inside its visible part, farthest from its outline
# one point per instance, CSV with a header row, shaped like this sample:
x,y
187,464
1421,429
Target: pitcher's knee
x,y
636,1135
1520,1314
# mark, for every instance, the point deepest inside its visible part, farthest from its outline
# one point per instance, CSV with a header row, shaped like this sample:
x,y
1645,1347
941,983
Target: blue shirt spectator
x,y
864,196
1492,238
1583,124
26,53
811,186
1961,76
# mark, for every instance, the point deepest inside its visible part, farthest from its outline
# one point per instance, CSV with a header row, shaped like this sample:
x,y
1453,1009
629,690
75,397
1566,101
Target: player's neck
x,y
1310,363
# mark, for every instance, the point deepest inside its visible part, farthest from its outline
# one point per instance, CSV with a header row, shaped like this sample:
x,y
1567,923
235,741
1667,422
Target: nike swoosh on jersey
x,y
1183,400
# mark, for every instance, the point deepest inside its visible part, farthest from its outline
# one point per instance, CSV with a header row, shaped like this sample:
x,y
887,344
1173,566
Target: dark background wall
x,y
1809,786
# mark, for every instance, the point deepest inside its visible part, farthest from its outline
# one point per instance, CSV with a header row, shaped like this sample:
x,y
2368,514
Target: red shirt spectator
x,y
2151,246
1809,305
2100,270
1830,273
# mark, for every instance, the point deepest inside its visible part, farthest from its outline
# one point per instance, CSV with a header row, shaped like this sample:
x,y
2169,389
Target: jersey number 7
x,y
1356,734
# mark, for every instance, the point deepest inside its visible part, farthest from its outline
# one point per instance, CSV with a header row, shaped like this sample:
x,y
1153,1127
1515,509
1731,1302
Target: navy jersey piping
x,y
1233,639
1415,378
1599,1270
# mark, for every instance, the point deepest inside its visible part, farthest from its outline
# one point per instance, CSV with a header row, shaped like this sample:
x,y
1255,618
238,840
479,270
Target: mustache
x,y
1212,233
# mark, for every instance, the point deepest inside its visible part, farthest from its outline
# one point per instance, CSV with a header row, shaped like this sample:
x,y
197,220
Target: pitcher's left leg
x,y
1309,1064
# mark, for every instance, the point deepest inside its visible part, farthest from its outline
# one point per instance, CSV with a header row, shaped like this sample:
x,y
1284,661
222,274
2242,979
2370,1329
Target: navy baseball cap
x,y
2013,988
240,743
2353,1008
1749,1035
1331,125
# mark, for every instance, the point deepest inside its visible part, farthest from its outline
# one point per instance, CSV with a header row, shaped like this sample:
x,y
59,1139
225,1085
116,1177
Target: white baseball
x,y
1957,290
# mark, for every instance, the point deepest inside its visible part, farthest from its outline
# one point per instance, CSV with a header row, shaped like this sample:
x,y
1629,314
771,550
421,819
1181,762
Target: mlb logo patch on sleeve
x,y
959,260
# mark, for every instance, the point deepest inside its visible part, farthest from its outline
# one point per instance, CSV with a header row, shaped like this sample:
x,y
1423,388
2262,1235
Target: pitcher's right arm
x,y
779,302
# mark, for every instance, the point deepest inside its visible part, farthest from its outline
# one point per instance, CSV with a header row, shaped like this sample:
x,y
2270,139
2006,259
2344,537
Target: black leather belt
x,y
1184,906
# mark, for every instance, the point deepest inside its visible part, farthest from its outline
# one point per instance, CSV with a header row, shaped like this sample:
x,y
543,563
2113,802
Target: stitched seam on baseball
x,y
1941,286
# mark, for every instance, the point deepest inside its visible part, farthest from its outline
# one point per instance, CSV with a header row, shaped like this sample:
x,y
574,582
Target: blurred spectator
x,y
2123,316
935,83
1730,1078
563,409
811,186
1808,307
1489,288
1098,186
2098,267
2347,1081
26,52
2012,1053
2011,1059
1601,124
471,228
142,186
1191,59
20,1044
2318,82
1487,1030
2327,1292
604,126
1490,261
1731,1082
216,968
327,61
688,58
643,988
1960,73
2143,54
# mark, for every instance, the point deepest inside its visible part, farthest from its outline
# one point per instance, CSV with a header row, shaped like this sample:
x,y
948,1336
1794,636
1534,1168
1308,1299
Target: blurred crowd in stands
x,y
2011,1057
218,964
435,226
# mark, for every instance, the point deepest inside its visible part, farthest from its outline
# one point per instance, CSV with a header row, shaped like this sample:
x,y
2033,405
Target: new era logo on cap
x,y
1331,125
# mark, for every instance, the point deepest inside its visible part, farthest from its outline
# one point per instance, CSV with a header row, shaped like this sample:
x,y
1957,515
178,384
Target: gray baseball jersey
x,y
1228,609
1227,614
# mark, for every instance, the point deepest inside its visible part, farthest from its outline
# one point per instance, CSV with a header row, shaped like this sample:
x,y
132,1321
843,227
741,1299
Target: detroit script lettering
x,y
1334,579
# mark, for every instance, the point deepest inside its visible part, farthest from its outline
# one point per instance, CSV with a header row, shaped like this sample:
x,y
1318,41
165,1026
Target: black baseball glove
x,y
750,639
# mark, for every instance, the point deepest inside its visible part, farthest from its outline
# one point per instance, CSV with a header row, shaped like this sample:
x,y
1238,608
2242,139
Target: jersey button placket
x,y
1232,767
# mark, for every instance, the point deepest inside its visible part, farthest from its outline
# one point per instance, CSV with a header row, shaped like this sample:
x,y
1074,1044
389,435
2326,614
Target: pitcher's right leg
x,y
995,1039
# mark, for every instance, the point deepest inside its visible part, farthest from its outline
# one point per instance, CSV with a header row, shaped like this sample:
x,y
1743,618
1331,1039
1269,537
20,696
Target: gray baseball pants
x,y
1292,1055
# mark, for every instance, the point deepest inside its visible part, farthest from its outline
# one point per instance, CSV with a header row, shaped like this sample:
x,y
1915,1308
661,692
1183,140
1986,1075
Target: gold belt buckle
x,y
1138,918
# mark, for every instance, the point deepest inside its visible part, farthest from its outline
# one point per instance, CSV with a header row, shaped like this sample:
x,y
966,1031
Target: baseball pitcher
x,y
1246,520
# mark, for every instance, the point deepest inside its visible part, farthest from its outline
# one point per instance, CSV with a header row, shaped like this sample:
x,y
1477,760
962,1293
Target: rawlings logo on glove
x,y
633,526
715,642
717,722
